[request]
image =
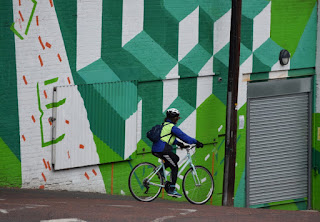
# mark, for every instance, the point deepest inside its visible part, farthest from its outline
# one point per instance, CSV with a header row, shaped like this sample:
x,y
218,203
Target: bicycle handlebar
x,y
189,147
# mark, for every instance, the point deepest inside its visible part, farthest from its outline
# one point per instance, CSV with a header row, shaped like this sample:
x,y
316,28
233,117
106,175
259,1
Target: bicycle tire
x,y
137,185
198,194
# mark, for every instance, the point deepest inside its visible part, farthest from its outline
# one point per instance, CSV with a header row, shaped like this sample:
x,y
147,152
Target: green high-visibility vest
x,y
166,135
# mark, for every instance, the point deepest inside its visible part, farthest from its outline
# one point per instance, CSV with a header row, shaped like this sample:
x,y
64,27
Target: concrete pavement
x,y
62,206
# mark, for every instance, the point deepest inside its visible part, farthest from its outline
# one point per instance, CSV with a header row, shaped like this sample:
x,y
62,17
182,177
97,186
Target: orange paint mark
x,y
51,3
33,119
48,45
87,175
24,139
45,94
19,2
68,155
94,172
21,16
81,146
162,194
59,57
41,43
45,164
112,178
41,63
44,177
69,80
25,80
41,187
67,121
49,122
37,19
49,165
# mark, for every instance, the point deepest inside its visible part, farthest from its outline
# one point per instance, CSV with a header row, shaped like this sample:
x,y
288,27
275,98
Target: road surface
x,y
62,206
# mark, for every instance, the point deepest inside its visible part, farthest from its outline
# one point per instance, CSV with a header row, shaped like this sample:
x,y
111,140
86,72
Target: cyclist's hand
x,y
199,145
181,145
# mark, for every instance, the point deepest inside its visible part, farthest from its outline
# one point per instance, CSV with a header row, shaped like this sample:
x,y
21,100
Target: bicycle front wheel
x,y
139,186
198,185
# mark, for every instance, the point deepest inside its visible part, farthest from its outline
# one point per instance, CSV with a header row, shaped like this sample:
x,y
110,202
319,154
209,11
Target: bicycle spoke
x,y
139,182
198,186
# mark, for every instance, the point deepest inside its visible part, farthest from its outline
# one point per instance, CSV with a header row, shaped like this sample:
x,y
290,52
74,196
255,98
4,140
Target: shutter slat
x,y
285,166
287,196
278,130
286,156
272,142
279,172
273,114
276,149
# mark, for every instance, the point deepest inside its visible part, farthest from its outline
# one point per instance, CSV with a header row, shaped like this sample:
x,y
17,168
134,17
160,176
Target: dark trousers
x,y
170,160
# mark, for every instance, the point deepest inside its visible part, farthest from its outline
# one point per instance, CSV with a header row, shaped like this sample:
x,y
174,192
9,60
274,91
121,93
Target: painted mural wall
x,y
268,27
173,54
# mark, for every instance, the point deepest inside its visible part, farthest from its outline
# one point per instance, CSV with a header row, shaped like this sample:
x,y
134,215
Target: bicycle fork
x,y
194,174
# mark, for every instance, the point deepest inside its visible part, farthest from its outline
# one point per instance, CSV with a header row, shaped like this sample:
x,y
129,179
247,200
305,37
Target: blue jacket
x,y
159,146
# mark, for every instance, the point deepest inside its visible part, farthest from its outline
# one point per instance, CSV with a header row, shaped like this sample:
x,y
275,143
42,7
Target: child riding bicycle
x,y
163,148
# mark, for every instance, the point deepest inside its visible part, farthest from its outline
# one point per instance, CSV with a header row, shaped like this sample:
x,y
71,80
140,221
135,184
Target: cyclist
x,y
163,148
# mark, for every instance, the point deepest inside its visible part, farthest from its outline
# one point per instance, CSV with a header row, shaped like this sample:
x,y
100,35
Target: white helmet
x,y
172,113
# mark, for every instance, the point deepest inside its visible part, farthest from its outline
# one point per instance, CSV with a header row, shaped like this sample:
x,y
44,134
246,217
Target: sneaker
x,y
167,186
174,193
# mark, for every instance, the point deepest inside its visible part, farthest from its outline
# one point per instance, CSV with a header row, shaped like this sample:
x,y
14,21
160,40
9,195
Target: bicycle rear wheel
x,y
138,185
198,191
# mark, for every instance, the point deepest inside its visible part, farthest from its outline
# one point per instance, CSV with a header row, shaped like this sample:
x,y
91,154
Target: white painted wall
x,y
36,160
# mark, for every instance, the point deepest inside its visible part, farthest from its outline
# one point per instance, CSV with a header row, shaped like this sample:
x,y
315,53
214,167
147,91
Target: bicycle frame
x,y
181,169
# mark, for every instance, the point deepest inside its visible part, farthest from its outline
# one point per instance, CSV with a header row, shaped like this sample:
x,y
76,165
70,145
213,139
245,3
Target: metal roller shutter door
x,y
278,139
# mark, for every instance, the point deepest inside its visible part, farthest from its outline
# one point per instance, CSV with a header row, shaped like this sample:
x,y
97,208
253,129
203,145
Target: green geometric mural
x,y
116,103
215,8
209,123
10,167
9,120
250,9
178,12
265,56
240,180
288,21
151,55
194,61
205,31
161,26
305,52
140,65
220,67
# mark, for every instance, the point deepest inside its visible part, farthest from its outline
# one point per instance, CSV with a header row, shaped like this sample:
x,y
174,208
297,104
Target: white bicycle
x,y
146,182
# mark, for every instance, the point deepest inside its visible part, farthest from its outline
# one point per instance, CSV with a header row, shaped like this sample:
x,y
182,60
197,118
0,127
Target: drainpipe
x,y
232,98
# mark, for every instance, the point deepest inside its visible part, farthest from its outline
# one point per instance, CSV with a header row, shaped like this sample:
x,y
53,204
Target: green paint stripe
x,y
301,72
15,31
259,76
50,81
52,105
40,110
44,144
31,16
53,141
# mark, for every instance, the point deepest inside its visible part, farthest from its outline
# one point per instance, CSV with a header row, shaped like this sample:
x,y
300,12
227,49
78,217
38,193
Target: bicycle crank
x,y
146,185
